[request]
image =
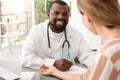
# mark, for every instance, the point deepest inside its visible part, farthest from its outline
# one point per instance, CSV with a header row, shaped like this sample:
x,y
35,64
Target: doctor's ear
x,y
48,14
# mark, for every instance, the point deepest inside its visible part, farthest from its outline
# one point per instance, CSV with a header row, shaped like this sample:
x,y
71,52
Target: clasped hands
x,y
61,64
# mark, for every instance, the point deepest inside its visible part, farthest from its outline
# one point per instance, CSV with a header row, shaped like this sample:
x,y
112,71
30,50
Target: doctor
x,y
55,42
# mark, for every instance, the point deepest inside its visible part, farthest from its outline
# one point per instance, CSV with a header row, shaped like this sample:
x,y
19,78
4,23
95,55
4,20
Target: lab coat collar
x,y
45,30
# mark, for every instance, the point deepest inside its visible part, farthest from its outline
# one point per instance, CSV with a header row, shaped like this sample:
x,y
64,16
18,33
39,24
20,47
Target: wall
x,y
16,6
92,40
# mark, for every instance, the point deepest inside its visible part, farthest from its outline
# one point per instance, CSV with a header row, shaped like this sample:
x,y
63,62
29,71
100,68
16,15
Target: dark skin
x,y
58,17
63,64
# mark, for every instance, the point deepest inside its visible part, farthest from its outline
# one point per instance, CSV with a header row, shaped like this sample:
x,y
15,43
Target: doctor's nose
x,y
60,16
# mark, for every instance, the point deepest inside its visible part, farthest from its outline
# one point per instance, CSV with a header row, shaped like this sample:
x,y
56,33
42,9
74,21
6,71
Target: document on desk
x,y
30,76
76,70
8,75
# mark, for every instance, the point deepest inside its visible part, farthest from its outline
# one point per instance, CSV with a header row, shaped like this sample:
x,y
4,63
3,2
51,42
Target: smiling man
x,y
55,42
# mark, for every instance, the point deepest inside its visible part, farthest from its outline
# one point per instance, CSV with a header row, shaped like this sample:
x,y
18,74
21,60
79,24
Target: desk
x,y
14,66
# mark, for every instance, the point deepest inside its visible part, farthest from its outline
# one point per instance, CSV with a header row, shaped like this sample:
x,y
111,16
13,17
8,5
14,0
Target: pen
x,y
68,55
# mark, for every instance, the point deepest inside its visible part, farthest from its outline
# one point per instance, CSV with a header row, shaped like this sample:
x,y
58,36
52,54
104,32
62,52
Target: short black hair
x,y
61,2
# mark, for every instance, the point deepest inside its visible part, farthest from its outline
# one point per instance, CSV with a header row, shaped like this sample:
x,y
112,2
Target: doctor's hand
x,y
63,64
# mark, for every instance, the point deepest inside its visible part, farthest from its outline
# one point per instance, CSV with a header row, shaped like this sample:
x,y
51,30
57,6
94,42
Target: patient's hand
x,y
47,70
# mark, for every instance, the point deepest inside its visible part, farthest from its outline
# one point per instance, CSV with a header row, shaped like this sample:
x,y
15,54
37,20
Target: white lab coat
x,y
35,49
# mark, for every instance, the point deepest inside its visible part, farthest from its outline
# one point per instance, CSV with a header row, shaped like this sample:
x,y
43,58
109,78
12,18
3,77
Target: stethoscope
x,y
66,41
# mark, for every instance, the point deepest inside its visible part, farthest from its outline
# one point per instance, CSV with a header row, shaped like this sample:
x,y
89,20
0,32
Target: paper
x,y
7,75
76,70
30,76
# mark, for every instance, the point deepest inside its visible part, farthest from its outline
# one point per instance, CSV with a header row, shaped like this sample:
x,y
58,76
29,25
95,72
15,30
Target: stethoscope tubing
x,y
48,37
66,41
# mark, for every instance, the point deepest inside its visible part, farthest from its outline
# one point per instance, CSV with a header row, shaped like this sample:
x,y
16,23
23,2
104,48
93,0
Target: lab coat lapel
x,y
45,31
58,49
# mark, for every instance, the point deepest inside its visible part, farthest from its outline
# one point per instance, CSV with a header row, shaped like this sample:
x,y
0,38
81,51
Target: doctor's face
x,y
58,17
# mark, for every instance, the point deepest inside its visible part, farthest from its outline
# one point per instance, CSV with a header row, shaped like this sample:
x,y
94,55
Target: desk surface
x,y
14,66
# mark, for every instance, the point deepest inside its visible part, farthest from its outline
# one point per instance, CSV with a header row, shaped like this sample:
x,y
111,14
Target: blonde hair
x,y
104,12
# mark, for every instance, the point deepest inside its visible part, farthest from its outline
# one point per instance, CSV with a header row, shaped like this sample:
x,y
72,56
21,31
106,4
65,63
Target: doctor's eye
x,y
56,13
66,14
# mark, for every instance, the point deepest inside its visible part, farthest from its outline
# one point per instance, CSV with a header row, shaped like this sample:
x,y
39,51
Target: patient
x,y
101,17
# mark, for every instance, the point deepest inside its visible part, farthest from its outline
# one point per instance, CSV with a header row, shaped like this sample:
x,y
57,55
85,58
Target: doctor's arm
x,y
29,56
32,55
